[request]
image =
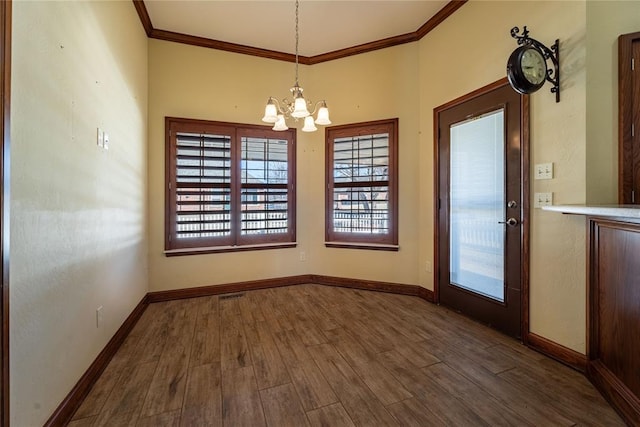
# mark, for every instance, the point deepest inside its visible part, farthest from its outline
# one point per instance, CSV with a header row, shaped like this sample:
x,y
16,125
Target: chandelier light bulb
x,y
309,126
270,112
280,124
323,115
299,106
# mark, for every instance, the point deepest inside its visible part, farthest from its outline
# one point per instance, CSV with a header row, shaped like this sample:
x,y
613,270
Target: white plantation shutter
x,y
228,185
264,189
203,186
362,183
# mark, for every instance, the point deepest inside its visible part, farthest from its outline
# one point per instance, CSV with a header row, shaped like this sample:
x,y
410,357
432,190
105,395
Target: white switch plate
x,y
99,318
544,171
105,140
100,138
542,199
303,256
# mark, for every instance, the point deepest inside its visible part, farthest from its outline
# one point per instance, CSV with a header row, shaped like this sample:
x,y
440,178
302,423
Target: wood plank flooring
x,y
312,355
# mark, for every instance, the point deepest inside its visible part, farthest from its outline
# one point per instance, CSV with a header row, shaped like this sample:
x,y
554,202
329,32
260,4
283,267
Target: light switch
x,y
542,199
100,138
105,141
544,171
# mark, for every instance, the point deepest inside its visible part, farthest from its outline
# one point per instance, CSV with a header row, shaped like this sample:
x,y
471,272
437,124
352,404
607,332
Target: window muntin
x,y
228,185
362,183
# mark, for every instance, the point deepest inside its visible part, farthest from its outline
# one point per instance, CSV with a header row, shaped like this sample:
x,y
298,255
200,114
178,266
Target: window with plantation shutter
x,y
362,185
264,187
229,187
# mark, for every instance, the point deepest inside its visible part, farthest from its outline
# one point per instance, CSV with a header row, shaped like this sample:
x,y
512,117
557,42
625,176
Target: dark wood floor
x,y
324,356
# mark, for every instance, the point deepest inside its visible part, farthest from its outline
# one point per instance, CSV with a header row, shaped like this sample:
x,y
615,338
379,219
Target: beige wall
x,y
78,213
606,20
458,57
578,135
192,82
409,81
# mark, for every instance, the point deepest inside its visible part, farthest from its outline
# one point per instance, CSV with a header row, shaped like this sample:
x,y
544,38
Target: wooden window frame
x,y
236,240
628,164
372,241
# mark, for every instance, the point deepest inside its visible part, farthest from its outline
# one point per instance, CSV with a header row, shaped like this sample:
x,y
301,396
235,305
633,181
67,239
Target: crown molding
x,y
171,36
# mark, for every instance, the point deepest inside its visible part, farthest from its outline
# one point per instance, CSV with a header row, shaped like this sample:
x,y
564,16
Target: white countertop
x,y
616,211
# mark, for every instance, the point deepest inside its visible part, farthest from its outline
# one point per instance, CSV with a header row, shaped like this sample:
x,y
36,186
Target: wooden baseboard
x,y
63,413
370,285
616,393
204,291
572,358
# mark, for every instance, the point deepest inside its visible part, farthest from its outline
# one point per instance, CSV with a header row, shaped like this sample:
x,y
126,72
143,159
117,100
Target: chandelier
x,y
277,113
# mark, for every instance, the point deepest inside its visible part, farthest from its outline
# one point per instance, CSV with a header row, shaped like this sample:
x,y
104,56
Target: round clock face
x,y
526,69
534,67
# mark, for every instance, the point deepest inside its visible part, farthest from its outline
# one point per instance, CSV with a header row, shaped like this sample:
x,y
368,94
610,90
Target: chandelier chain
x,y
297,6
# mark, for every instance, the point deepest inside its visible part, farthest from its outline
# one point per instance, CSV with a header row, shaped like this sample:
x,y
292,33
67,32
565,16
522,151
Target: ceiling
x,y
324,25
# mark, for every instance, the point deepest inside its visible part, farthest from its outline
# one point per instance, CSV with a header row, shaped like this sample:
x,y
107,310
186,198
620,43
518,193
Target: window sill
x,y
221,249
367,246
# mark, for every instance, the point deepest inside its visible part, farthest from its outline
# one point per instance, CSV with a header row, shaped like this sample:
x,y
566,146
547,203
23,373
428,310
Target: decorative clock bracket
x,y
553,53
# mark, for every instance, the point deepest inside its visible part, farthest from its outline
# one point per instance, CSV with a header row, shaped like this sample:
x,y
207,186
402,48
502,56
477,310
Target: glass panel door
x,y
482,205
477,205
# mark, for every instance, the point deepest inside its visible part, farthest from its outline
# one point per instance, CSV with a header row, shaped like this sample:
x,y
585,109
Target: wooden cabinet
x,y
613,338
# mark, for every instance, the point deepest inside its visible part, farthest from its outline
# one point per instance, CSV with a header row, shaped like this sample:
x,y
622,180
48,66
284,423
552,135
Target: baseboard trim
x,y
371,285
204,291
368,285
615,392
571,358
64,412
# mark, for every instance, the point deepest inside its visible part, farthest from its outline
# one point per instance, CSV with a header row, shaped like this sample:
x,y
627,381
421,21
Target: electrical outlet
x,y
303,256
544,171
542,199
99,317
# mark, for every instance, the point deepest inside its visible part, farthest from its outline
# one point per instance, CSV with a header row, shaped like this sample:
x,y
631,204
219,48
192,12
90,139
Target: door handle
x,y
511,222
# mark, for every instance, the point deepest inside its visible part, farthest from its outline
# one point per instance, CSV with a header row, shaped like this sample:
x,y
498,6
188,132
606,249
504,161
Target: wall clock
x,y
527,65
526,69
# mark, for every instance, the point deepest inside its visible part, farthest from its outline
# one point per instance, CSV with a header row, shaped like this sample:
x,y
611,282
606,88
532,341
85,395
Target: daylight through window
x,y
362,183
228,185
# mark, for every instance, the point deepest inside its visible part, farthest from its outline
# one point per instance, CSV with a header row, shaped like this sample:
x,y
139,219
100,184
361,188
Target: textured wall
x,y
78,213
459,57
409,81
192,82
606,20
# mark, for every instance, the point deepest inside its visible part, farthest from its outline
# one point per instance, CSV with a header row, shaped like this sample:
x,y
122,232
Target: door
x,y
480,196
629,118
5,98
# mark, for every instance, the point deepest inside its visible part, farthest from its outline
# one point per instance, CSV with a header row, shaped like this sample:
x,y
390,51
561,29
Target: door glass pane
x,y
477,197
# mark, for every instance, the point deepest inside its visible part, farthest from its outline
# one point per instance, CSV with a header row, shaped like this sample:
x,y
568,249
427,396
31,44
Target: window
x,y
362,185
229,187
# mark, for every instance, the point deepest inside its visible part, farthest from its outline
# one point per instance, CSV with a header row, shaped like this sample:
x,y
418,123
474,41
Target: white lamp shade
x,y
309,126
280,124
300,107
270,112
323,116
